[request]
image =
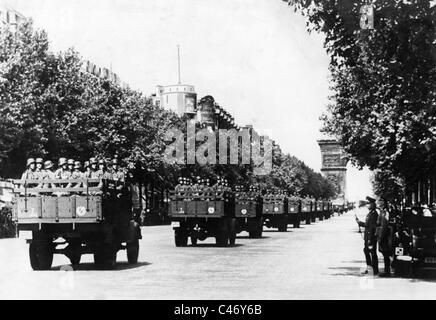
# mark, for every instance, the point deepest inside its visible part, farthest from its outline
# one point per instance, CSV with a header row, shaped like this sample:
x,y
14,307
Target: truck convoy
x,y
75,217
223,213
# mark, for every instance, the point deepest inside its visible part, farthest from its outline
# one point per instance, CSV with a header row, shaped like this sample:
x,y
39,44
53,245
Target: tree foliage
x,y
51,109
383,102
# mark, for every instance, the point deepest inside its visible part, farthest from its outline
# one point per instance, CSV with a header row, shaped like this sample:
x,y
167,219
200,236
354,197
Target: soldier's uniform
x,y
370,240
29,173
48,174
77,174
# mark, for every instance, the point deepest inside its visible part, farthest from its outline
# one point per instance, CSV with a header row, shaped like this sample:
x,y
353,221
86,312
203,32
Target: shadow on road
x,y
346,271
92,267
213,245
247,237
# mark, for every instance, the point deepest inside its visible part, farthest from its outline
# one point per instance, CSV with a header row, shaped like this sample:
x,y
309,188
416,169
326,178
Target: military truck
x,y
319,212
294,211
306,210
414,241
248,213
75,217
275,211
200,214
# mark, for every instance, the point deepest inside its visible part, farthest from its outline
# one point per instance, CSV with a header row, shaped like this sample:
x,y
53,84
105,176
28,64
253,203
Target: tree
x,y
382,106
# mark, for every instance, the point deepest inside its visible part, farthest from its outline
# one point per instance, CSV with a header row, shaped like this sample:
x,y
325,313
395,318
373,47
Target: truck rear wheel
x,y
256,229
296,223
283,227
222,236
75,253
132,251
41,255
180,238
232,231
105,256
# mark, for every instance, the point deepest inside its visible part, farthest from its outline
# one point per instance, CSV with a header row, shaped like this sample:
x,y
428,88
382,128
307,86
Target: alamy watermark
x,y
200,147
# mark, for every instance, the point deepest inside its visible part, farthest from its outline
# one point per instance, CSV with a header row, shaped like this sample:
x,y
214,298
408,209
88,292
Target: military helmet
x,y
48,164
62,161
71,162
77,165
30,161
86,164
115,161
93,161
39,160
101,161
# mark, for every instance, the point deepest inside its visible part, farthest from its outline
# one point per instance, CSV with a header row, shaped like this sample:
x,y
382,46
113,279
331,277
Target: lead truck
x,y
76,217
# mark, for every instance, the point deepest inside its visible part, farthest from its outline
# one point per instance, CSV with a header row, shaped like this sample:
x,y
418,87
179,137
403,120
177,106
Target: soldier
x,y
384,237
370,242
71,165
87,172
77,173
117,173
62,173
29,173
93,163
48,174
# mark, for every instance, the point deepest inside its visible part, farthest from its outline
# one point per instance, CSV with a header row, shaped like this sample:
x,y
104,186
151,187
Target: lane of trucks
x,y
95,216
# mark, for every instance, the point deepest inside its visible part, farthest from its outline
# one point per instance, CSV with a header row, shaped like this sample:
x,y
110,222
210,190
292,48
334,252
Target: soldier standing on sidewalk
x,y
370,246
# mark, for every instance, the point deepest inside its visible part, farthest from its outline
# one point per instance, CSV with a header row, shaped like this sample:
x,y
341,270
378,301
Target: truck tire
x,y
105,256
132,249
41,255
296,223
321,217
180,238
194,241
232,231
76,253
257,229
283,226
222,233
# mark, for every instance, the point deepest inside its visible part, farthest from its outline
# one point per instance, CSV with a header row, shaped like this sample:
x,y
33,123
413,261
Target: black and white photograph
x,y
242,151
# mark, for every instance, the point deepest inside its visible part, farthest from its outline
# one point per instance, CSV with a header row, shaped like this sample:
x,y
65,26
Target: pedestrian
x,y
370,239
384,237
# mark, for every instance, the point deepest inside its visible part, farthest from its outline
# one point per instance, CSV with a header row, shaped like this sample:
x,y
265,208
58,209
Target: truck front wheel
x,y
181,238
132,251
41,255
283,227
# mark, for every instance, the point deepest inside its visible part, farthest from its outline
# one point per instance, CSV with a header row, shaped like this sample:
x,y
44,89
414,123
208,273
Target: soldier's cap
x,y
39,160
77,165
115,161
92,160
48,164
86,164
30,161
62,161
71,162
370,199
101,161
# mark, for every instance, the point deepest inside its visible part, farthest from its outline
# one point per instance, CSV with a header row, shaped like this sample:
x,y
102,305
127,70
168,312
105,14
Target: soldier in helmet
x,y
29,173
77,173
118,174
71,166
63,173
87,170
48,174
93,166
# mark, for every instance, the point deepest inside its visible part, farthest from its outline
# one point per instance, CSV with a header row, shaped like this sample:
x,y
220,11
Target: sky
x,y
255,57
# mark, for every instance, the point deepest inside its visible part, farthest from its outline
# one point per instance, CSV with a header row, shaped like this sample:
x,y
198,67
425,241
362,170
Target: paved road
x,y
318,261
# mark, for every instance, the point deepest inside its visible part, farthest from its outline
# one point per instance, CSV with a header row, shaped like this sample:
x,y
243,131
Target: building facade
x,y
180,98
10,18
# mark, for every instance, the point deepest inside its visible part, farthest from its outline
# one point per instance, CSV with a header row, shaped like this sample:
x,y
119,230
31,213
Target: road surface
x,y
318,261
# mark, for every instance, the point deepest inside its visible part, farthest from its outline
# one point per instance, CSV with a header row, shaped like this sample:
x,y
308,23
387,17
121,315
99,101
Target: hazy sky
x,y
254,57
